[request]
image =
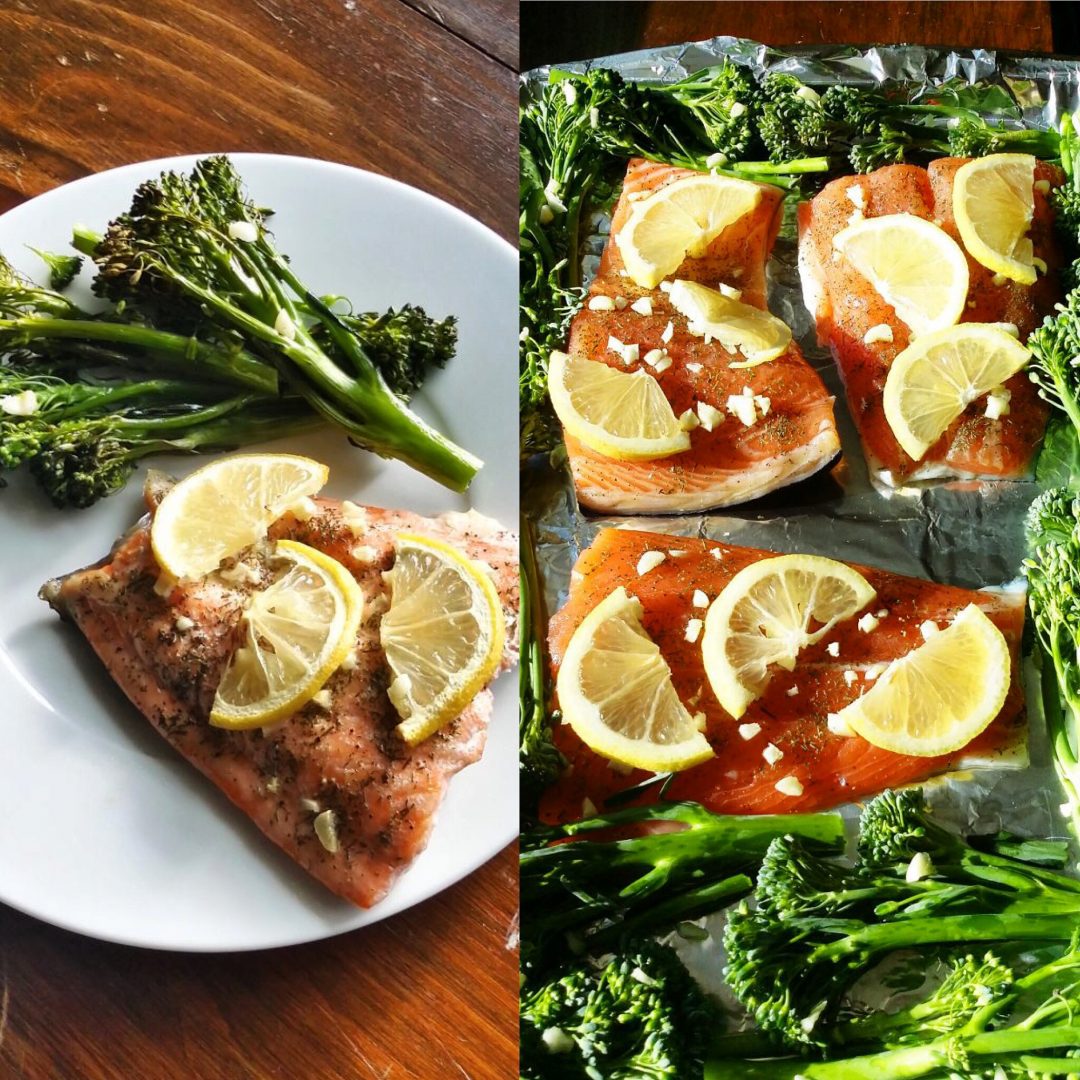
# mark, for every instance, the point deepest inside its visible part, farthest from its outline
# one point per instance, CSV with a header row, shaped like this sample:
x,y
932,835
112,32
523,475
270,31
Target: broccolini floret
x,y
198,242
637,1016
63,269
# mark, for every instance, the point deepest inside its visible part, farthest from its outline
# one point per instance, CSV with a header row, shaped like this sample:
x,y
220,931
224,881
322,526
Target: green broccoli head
x,y
640,1016
82,461
792,123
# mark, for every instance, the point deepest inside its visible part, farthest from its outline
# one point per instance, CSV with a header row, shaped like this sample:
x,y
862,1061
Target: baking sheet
x,y
962,533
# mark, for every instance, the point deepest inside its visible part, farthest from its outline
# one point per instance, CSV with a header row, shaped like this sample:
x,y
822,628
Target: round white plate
x,y
103,828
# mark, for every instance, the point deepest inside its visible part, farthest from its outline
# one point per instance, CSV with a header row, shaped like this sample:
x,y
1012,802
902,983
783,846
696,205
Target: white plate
x,y
103,828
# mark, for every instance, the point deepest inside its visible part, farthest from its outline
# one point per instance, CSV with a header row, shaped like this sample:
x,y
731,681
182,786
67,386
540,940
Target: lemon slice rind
x,y
993,204
298,631
680,220
444,608
225,506
938,375
621,415
763,616
918,706
615,691
915,266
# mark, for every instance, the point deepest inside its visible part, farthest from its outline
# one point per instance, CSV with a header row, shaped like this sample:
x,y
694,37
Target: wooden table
x,y
554,32
422,90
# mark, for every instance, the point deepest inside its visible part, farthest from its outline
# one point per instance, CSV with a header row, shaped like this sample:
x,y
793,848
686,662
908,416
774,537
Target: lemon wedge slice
x,y
620,414
938,697
615,691
937,376
769,611
916,267
297,632
443,634
227,505
757,335
680,220
993,203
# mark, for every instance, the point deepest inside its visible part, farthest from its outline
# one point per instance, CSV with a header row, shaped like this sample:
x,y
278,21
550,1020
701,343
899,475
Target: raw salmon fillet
x,y
347,758
733,463
845,306
832,769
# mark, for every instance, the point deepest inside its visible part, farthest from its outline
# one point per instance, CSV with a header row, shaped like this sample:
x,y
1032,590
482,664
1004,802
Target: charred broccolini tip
x,y
199,241
63,269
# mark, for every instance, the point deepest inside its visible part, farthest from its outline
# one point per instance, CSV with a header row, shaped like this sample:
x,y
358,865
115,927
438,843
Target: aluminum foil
x,y
961,533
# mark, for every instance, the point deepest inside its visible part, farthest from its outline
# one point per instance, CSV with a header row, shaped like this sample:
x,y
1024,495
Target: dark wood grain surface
x,y
420,90
554,32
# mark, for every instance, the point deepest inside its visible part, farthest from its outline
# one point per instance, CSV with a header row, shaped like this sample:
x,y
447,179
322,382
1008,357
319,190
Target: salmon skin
x,y
733,463
845,306
347,758
793,711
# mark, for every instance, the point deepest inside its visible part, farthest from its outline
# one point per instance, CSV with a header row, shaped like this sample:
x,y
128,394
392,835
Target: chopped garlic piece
x,y
557,1041
661,365
184,623
714,161
741,406
881,613
654,356
998,279
736,110
688,420
709,415
350,662
928,629
22,404
325,826
772,754
881,332
763,403
311,805
1042,185
643,305
868,622
649,561
700,599
792,691
247,231
789,785
355,517
856,196
364,553
669,331
850,677
693,630
323,699
921,866
874,671
676,553
304,510
621,302
838,725
749,731
997,403
630,353
833,648
729,291
601,303
285,326
694,368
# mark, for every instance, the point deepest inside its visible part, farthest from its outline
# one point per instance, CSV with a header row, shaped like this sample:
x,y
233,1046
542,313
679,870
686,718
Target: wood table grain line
x,y
488,25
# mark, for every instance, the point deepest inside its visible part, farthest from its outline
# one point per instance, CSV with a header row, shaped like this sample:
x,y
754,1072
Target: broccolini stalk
x,y
817,926
540,761
1053,574
600,889
200,241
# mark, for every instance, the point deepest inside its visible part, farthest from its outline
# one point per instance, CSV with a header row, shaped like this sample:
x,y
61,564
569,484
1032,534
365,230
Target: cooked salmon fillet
x,y
733,463
794,710
845,306
346,758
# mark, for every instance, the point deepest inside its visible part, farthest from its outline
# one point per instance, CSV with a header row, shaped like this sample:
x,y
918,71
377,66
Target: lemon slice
x,y
680,220
615,691
769,611
993,203
917,268
227,505
443,634
937,376
759,336
620,414
297,632
938,697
